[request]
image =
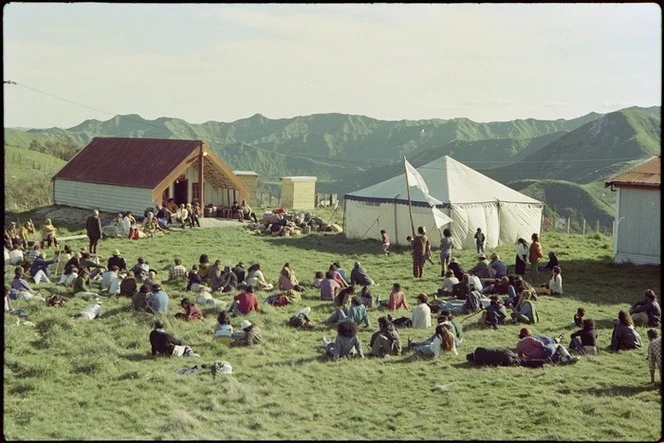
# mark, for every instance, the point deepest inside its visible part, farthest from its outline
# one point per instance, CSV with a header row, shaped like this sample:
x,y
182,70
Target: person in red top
x,y
191,311
535,256
397,299
244,302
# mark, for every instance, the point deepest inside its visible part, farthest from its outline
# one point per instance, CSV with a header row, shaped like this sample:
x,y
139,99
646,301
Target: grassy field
x,y
96,380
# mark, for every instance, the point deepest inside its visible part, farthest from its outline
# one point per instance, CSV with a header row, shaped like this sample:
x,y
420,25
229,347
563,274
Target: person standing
x,y
654,353
93,230
480,239
521,257
446,246
420,247
535,256
385,240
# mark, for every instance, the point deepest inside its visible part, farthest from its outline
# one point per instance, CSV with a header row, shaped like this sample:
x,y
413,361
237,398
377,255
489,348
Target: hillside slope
x,y
28,178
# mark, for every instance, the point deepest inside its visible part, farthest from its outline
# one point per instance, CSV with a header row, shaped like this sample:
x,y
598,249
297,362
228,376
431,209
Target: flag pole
x,y
410,207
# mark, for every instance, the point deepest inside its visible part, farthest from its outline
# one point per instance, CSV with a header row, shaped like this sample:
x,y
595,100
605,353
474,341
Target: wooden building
x,y
637,229
132,174
298,192
250,178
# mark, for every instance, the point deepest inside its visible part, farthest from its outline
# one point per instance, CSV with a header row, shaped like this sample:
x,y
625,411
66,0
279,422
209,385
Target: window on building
x,y
195,191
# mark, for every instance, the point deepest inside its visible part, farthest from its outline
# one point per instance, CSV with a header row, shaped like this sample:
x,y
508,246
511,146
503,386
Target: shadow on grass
x,y
137,357
322,357
331,243
613,391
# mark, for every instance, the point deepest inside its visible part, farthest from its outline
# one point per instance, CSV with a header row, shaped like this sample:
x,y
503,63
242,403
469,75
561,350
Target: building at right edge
x,y
637,228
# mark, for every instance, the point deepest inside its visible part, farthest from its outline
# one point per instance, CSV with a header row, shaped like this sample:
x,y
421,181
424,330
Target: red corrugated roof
x,y
646,174
135,162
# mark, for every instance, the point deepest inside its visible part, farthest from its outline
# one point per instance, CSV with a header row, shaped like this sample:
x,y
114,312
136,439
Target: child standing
x,y
385,239
480,238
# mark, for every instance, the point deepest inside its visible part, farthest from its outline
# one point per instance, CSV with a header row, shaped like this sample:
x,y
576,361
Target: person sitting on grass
x,y
48,234
20,289
473,301
447,288
654,353
338,276
193,278
397,299
249,335
624,336
460,290
16,256
386,340
482,268
543,347
318,277
68,276
177,271
647,312
118,260
256,279
525,311
356,312
346,343
495,312
139,302
246,213
578,318
151,279
157,301
181,216
80,286
191,311
151,227
553,261
128,285
141,269
90,312
223,332
227,281
163,343
443,341
245,302
329,287
214,274
456,268
584,341
421,316
555,285
359,276
343,297
39,269
287,279
204,267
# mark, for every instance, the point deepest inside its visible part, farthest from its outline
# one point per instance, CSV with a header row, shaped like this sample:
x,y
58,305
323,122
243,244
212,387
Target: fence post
x,y
597,227
584,227
568,226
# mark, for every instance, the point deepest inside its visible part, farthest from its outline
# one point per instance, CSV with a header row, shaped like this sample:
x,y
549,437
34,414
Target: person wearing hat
x,y
358,276
421,316
117,260
497,265
480,240
647,312
163,343
245,302
157,301
39,269
248,336
191,311
90,312
456,268
386,340
228,281
482,268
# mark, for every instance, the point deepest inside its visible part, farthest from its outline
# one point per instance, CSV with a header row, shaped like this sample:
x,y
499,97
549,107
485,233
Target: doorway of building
x,y
180,191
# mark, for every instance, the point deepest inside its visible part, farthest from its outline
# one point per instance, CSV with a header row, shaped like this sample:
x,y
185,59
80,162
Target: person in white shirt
x,y
444,341
90,312
116,281
448,284
556,283
421,316
15,255
128,221
476,281
107,276
68,276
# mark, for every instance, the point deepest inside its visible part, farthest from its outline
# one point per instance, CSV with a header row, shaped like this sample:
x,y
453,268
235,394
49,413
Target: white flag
x,y
439,217
415,179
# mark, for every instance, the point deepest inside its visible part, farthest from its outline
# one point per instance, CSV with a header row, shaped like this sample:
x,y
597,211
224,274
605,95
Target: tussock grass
x,y
102,375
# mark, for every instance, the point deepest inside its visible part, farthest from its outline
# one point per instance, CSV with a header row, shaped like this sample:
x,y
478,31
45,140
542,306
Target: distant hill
x,y
28,178
594,151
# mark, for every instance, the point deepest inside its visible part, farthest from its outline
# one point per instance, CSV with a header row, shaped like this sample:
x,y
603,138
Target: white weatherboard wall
x,y
638,234
107,198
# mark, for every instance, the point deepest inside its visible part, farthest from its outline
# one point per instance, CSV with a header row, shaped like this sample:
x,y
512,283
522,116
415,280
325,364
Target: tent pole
x,y
410,207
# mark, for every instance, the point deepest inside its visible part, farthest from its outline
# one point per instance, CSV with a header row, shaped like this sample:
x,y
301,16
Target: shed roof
x,y
648,174
300,178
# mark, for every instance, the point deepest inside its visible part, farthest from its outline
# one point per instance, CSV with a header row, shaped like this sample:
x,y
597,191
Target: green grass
x,y
95,380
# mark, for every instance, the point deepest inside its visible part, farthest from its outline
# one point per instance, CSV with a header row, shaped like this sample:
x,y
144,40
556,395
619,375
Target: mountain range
x,y
348,152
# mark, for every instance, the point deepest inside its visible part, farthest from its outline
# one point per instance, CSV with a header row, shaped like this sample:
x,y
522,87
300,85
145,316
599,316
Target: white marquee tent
x,y
470,199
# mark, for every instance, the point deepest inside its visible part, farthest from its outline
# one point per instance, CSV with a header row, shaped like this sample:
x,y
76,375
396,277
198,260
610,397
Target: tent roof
x,y
448,181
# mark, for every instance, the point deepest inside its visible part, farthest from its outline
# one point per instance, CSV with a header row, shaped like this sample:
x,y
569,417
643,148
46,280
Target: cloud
x,y
502,102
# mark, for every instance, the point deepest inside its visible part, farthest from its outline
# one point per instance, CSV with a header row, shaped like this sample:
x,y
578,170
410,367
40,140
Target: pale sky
x,y
224,62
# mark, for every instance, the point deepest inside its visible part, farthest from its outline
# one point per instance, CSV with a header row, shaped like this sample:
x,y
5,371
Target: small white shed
x,y
637,228
298,192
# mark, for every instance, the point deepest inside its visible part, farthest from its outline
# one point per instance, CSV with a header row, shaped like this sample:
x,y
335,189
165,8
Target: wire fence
x,y
573,226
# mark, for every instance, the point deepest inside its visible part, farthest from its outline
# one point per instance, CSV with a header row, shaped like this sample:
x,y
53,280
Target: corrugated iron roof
x,y
135,162
647,174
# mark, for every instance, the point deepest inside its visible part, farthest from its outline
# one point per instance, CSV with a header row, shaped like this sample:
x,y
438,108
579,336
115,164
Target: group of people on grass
x,y
485,288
